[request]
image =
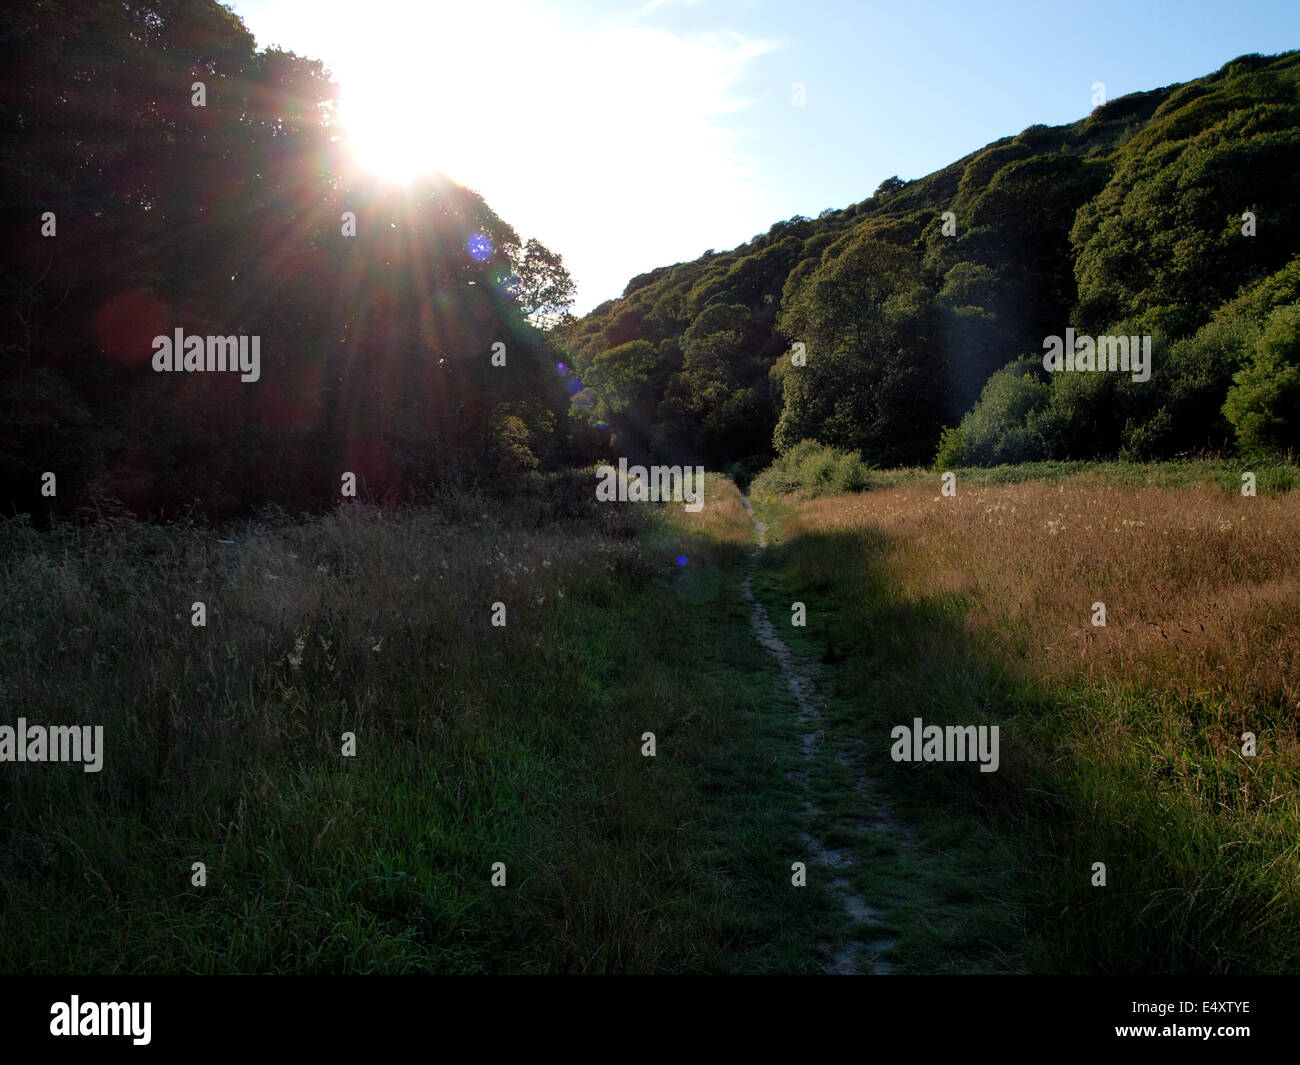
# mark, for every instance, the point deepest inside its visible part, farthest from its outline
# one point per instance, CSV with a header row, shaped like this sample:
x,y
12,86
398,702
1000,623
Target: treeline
x,y
158,172
920,314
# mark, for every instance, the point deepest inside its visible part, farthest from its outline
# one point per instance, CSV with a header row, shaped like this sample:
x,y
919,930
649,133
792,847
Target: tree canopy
x,y
160,173
1172,214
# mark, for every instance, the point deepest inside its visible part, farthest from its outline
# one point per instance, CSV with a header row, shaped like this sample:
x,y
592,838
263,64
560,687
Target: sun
x,y
421,98
389,134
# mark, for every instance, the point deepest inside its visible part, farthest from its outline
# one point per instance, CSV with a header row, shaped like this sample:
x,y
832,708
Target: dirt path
x,y
802,680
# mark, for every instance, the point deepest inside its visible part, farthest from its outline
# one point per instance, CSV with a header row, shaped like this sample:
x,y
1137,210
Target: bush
x,y
952,450
1148,441
1264,401
998,428
810,469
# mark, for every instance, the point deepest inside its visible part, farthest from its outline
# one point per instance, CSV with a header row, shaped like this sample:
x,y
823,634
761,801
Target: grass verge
x,y
475,744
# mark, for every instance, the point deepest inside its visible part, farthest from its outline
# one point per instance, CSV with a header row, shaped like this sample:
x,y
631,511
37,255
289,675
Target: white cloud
x,y
654,5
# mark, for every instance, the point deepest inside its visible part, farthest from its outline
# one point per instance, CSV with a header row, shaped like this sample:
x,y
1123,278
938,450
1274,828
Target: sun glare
x,y
388,137
403,102
557,124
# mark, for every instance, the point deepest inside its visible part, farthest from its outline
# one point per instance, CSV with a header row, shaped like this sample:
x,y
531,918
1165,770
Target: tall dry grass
x,y
1202,593
1131,732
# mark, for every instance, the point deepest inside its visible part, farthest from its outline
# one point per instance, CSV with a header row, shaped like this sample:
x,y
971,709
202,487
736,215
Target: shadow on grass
x,y
520,745
1001,876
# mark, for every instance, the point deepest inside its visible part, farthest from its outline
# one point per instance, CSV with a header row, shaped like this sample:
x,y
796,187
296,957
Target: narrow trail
x,y
802,680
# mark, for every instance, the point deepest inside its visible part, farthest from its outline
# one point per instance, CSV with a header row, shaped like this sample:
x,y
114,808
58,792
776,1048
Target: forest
x,y
160,173
920,314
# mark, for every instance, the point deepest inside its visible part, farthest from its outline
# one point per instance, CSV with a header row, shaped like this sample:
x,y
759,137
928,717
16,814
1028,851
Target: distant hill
x,y
1132,221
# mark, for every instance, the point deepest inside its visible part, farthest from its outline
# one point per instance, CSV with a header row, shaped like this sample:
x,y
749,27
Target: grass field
x,y
475,744
522,743
1120,744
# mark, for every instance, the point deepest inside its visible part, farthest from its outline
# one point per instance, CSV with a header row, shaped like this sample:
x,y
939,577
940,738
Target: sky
x,y
626,136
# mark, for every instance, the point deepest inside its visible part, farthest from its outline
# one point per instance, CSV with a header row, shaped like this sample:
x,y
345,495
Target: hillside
x,y
1131,221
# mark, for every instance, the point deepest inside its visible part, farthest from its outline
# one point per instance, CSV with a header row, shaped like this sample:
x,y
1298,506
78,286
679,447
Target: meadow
x,y
1122,742
524,743
475,744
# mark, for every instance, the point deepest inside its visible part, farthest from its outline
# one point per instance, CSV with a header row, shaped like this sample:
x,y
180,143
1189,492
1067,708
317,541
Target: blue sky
x,y
627,136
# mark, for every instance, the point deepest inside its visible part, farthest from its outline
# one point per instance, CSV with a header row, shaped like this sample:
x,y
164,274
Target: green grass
x,y
522,745
475,745
811,471
950,883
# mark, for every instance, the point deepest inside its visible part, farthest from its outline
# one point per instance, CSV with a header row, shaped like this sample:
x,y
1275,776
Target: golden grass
x,y
722,519
1122,743
1202,594
1202,597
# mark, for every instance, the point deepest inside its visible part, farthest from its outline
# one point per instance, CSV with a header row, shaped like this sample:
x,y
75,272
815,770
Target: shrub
x,y
810,469
952,450
1264,401
996,429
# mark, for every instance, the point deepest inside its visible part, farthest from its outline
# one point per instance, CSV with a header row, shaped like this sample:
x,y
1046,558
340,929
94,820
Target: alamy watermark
x,y
1085,354
953,743
242,354
657,484
102,1018
53,743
